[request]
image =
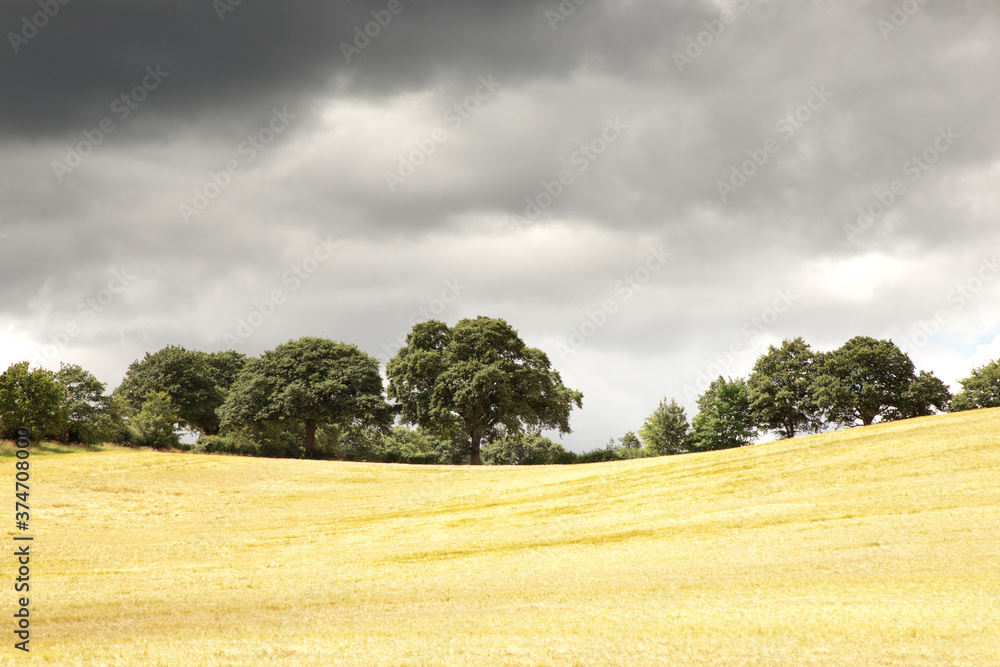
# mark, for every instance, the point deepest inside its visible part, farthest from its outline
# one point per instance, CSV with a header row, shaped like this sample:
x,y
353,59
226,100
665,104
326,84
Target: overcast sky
x,y
650,192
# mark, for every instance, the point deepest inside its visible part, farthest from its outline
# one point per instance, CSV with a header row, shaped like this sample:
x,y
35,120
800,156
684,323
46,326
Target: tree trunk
x,y
310,435
476,461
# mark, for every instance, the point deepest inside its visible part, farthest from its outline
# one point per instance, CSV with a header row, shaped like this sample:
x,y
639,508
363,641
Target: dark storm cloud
x,y
844,99
230,61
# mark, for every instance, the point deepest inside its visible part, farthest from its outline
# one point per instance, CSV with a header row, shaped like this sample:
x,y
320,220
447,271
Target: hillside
x,y
873,546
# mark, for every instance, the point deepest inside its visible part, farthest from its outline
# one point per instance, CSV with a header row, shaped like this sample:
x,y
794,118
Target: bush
x,y
523,449
238,445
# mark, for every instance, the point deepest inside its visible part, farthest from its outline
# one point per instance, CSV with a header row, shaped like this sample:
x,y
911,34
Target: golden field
x,y
873,546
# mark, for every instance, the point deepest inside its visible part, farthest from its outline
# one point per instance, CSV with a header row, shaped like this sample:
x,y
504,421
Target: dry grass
x,y
873,546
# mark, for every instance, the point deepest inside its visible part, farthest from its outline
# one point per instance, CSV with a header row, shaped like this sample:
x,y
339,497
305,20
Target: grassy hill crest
x,y
868,546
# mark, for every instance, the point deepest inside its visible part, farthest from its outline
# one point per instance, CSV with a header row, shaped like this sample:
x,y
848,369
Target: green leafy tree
x,y
32,398
780,389
724,418
224,367
186,376
980,390
478,382
312,381
926,395
524,449
155,425
667,430
864,380
630,441
90,416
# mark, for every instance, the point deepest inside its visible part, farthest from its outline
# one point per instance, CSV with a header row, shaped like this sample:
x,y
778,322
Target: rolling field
x,y
875,546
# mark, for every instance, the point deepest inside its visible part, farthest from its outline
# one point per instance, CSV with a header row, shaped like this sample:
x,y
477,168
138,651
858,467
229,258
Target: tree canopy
x,y
724,418
478,381
868,379
186,377
926,395
32,398
779,389
155,425
980,390
89,418
315,381
667,431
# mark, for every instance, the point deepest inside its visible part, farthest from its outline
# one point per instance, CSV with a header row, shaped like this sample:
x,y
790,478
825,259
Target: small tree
x,y
314,381
779,389
90,418
724,418
980,390
156,423
667,431
479,382
630,441
34,399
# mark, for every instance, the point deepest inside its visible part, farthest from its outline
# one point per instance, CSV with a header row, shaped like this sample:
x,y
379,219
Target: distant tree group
x,y
793,390
472,393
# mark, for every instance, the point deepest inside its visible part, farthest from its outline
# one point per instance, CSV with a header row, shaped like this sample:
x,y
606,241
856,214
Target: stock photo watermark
x,y
901,14
580,160
246,153
436,307
363,35
740,174
749,331
958,298
914,169
695,46
122,107
623,291
87,311
294,277
563,11
454,117
223,7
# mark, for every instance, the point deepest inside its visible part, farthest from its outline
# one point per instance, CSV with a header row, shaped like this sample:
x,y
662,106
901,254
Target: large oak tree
x,y
868,379
312,380
478,381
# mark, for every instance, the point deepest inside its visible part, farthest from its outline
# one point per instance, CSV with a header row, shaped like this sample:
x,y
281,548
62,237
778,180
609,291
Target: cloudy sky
x,y
652,192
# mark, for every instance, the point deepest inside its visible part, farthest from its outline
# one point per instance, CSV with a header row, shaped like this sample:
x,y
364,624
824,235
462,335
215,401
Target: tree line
x,y
793,389
474,393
